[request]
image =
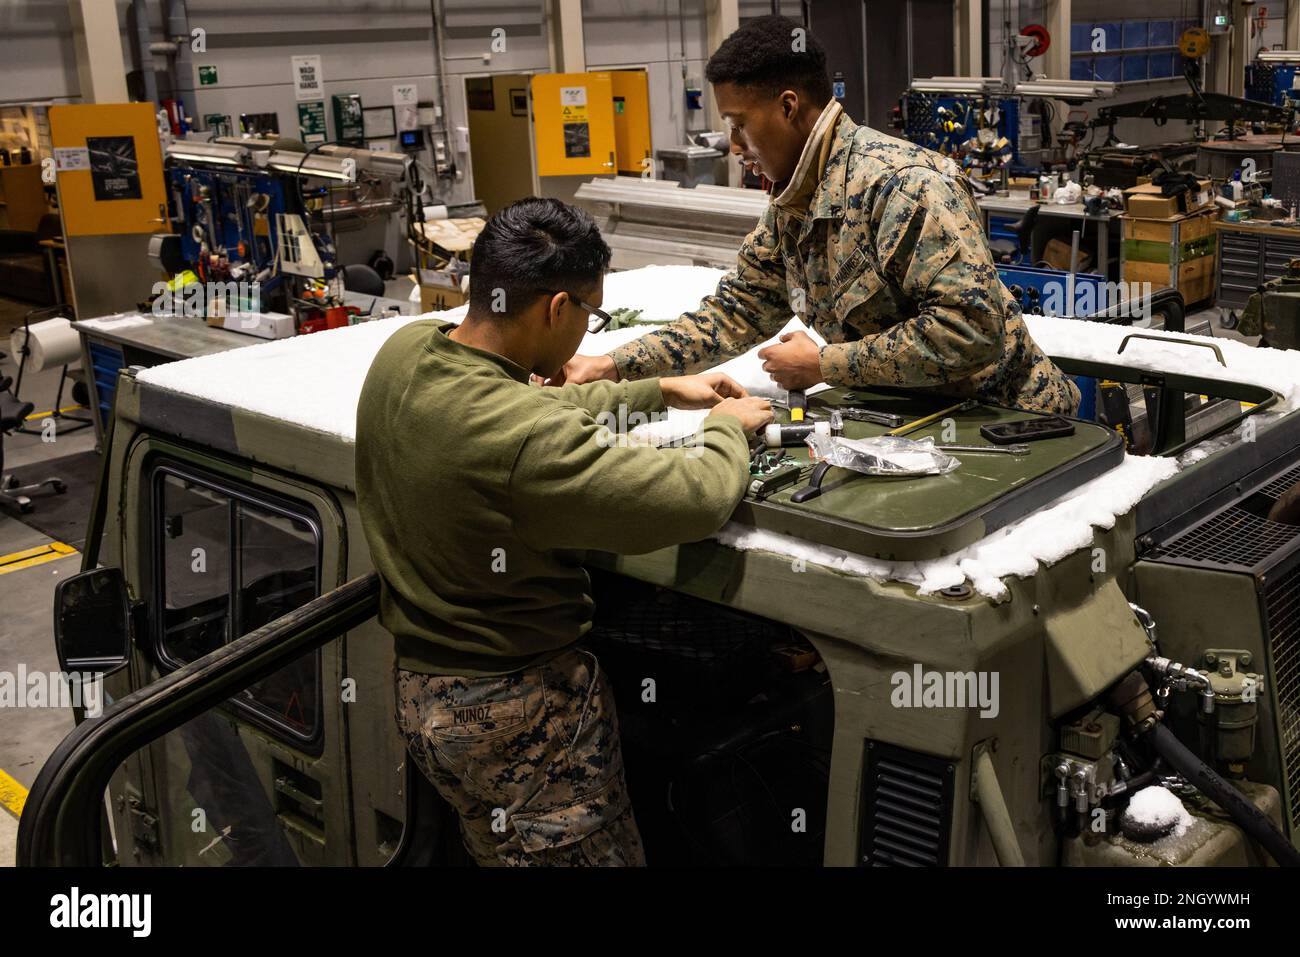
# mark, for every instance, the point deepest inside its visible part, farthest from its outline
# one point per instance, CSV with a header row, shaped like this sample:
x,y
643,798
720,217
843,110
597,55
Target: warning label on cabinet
x,y
574,96
573,114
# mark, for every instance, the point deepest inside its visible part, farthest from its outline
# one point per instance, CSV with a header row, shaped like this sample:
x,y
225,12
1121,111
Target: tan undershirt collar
x,y
812,162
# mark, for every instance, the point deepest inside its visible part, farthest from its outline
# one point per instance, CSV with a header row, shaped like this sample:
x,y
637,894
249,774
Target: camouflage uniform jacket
x,y
876,244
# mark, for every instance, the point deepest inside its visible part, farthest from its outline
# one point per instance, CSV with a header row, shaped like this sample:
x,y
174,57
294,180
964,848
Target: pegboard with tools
x,y
947,123
1274,83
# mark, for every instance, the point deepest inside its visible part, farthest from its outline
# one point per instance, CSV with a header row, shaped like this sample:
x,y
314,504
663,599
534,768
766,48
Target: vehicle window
x,y
277,573
228,565
196,569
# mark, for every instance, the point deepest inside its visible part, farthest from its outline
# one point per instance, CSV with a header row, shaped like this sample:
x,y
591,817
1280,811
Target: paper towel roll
x,y
435,212
52,343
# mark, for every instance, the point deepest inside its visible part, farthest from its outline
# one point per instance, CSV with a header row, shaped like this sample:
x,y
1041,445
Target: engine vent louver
x,y
906,808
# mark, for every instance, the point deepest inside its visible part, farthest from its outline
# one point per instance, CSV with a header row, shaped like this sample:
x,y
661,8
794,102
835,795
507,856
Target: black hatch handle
x,y
1177,342
814,486
60,824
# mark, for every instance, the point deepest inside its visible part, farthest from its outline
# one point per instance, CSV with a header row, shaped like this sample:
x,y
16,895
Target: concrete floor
x,y
28,736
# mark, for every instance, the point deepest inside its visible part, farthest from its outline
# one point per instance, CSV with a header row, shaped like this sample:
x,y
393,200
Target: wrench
x,y
1004,449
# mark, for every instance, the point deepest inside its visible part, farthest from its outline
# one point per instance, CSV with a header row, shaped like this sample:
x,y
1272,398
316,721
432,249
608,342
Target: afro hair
x,y
773,54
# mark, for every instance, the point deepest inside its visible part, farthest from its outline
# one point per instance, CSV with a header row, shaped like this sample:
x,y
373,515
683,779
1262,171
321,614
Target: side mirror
x,y
92,621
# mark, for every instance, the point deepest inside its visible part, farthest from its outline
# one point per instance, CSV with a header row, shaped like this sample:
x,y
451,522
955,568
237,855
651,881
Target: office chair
x,y
1004,250
13,413
362,279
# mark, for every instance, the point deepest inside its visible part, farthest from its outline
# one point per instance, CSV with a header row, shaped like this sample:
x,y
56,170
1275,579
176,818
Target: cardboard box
x,y
1146,202
1057,255
264,325
438,299
439,291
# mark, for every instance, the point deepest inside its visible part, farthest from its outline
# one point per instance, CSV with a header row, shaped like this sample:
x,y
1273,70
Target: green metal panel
x,y
1202,608
1151,251
930,516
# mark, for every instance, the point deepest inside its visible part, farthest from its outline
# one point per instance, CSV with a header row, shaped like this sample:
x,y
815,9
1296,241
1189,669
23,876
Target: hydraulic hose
x,y
1131,699
1206,780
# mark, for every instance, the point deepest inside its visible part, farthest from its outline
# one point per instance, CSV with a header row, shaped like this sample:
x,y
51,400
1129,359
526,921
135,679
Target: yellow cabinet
x,y
589,124
631,121
110,169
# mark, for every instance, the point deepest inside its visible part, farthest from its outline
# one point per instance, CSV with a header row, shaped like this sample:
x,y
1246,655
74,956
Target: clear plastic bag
x,y
886,455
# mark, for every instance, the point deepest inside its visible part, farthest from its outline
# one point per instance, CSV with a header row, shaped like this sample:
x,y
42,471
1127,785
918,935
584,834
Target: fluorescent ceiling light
x,y
992,85
957,84
1066,89
322,166
219,153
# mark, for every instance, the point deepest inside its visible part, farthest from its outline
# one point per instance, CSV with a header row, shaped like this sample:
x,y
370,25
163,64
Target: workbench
x,y
1250,254
998,212
107,345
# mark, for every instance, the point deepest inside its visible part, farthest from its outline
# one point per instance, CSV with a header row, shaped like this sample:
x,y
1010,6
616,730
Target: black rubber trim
x,y
184,416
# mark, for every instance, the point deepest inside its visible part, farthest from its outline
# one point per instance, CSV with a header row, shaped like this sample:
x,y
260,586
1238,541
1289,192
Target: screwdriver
x,y
797,403
921,423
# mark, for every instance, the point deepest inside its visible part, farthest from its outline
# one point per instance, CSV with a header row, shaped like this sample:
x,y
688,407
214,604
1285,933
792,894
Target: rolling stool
x,y
1004,250
13,413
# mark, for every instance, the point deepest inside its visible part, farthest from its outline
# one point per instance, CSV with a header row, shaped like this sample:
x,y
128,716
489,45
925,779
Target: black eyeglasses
x,y
597,319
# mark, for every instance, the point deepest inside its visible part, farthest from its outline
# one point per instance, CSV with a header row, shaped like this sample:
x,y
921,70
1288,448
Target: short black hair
x,y
769,53
532,246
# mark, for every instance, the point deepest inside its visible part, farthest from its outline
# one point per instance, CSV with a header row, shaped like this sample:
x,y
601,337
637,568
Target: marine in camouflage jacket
x,y
877,244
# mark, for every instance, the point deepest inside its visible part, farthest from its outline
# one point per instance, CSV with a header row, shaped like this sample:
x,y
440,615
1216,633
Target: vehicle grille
x,y
906,808
1282,484
1282,605
1233,538
1238,538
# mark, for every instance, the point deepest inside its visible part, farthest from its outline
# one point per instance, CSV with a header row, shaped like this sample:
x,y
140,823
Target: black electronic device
x,y
1027,430
259,124
1286,178
412,139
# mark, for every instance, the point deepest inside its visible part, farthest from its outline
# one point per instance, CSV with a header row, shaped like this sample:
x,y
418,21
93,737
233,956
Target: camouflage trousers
x,y
531,761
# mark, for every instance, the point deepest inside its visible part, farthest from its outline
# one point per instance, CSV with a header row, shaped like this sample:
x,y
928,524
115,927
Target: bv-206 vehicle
x,y
774,685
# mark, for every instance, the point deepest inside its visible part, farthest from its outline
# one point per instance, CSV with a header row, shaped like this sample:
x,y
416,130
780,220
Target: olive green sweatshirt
x,y
479,494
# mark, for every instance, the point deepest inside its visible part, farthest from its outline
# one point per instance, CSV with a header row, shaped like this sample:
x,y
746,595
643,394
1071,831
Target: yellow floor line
x,y
12,794
35,556
66,408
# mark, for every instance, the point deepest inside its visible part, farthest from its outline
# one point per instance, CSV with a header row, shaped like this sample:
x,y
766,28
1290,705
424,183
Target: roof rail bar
x,y
61,820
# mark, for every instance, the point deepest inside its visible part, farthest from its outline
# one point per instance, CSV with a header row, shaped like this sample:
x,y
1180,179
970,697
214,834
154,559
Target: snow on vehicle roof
x,y
314,382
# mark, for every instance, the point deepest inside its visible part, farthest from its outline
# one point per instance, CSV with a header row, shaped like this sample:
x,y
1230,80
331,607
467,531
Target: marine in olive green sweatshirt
x,y
479,494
